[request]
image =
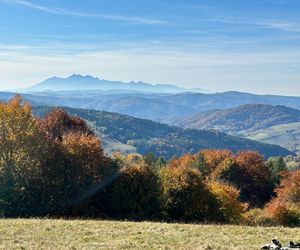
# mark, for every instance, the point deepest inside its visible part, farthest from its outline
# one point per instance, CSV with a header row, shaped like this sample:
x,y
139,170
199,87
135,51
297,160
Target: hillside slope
x,y
285,135
161,139
240,119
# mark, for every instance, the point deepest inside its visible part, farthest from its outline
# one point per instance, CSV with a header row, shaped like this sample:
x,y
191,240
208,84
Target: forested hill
x,y
250,117
161,139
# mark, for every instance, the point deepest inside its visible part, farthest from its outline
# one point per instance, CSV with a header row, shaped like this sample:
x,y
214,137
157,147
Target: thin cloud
x,y
64,12
282,25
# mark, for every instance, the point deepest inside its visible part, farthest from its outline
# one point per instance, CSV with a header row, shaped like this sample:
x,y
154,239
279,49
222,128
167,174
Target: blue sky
x,y
219,45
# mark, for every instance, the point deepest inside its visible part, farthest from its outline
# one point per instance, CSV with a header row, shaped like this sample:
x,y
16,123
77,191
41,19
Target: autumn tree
x,y
22,152
185,194
136,193
248,172
76,164
285,207
212,159
231,209
58,122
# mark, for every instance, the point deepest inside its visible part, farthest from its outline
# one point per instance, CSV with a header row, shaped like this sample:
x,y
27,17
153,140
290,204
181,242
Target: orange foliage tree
x,y
248,172
76,162
230,207
212,159
285,207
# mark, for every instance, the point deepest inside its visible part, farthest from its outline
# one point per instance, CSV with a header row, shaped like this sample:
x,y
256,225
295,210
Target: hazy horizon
x,y
214,45
205,91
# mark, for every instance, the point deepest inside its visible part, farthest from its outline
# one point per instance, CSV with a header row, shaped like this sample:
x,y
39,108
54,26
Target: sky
x,y
217,45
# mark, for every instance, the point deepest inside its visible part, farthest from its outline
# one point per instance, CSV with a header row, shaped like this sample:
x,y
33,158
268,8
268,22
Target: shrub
x,y
285,207
231,209
136,193
258,217
185,194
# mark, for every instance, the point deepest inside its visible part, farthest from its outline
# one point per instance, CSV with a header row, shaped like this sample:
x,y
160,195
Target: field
x,y
88,234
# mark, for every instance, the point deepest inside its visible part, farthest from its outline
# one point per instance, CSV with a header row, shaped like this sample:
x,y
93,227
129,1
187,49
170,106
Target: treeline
x,y
56,166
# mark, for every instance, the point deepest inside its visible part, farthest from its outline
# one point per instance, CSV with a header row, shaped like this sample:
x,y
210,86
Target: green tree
x,y
136,193
276,165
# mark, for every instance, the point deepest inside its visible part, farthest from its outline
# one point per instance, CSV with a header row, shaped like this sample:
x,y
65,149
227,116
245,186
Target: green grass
x,y
93,234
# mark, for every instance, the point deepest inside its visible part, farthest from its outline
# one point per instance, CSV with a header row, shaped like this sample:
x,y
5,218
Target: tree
x,y
248,172
22,151
185,194
76,164
285,207
136,193
212,159
150,159
276,165
230,207
57,123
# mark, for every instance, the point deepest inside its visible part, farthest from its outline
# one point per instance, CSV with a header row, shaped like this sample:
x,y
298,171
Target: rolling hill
x,y
227,100
243,119
278,125
163,140
285,135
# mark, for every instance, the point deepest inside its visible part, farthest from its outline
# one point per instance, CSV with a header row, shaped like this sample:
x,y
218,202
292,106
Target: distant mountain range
x,y
129,134
161,107
79,82
265,118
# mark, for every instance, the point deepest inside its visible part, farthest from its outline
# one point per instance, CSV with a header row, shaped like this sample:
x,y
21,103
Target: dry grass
x,y
81,234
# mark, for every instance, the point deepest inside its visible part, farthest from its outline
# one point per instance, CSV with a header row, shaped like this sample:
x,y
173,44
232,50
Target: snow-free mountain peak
x,y
87,82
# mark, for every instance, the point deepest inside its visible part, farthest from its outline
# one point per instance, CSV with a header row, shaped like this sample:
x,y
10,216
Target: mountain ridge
x,y
241,118
88,82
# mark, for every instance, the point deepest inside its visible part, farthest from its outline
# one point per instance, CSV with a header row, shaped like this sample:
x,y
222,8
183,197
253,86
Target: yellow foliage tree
x,y
22,146
231,208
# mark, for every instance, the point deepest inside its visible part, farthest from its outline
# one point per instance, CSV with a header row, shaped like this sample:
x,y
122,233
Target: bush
x,y
185,194
258,217
231,209
286,214
136,194
285,207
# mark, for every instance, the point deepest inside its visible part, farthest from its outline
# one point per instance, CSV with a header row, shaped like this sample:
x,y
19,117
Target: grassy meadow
x,y
94,234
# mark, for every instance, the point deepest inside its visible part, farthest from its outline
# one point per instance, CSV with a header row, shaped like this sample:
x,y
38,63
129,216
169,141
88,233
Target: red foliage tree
x,y
58,122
